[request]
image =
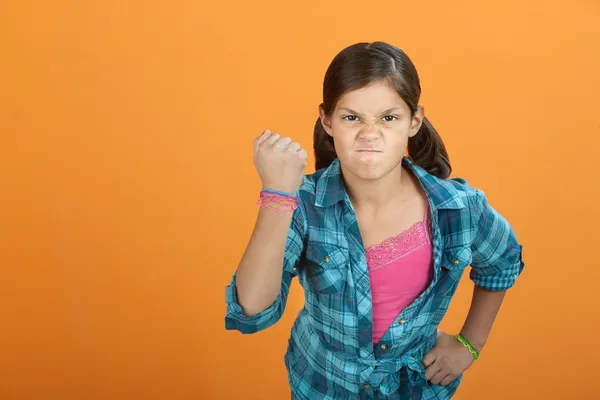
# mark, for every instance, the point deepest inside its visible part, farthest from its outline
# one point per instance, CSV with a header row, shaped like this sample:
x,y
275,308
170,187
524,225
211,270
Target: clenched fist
x,y
280,163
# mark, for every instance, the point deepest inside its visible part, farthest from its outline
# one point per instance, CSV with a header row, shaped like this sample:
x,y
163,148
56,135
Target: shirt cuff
x,y
503,281
236,319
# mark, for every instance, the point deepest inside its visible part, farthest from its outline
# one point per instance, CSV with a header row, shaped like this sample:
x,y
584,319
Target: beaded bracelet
x,y
468,345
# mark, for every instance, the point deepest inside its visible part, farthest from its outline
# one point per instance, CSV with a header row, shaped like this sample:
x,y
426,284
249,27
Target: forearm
x,y
482,313
258,278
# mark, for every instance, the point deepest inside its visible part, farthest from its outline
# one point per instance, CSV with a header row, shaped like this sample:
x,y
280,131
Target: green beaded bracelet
x,y
468,345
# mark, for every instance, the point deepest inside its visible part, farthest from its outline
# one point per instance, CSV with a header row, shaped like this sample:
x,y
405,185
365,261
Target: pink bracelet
x,y
283,198
292,207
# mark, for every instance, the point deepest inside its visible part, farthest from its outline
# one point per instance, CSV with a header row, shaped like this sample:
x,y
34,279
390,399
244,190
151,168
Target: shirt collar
x,y
442,193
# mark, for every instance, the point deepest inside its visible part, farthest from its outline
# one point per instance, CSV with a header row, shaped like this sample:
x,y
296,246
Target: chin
x,y
371,169
369,172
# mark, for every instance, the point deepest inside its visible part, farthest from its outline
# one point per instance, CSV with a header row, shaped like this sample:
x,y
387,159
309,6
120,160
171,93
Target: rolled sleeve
x,y
497,255
235,319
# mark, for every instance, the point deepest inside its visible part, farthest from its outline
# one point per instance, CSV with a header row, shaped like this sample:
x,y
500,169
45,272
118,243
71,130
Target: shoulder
x,y
454,193
460,213
474,198
308,188
309,181
465,191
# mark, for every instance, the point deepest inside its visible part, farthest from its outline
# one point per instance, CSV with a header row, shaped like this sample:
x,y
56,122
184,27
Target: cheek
x,y
395,137
343,137
342,145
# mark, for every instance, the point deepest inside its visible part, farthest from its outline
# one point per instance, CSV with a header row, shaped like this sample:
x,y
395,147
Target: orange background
x,y
128,190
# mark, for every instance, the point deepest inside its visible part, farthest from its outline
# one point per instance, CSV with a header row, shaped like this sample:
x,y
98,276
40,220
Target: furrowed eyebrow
x,y
351,111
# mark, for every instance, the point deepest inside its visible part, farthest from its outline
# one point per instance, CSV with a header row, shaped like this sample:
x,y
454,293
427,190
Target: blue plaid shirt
x,y
330,353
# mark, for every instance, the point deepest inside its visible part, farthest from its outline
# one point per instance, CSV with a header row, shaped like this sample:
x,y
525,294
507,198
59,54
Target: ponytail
x,y
323,146
427,150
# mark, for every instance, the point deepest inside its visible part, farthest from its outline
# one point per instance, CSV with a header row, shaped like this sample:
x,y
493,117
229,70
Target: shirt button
x,y
456,262
366,385
384,346
402,321
327,259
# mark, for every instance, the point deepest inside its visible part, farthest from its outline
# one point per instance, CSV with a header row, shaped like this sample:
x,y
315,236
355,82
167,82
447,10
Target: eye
x,y
390,118
350,118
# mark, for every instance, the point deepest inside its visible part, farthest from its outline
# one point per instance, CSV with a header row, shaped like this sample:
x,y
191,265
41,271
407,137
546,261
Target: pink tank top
x,y
400,269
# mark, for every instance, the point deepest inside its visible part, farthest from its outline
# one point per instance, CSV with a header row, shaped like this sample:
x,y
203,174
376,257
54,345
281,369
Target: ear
x,y
325,121
417,121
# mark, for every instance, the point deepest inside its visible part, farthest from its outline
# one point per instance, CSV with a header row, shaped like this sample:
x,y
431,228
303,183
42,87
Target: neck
x,y
377,193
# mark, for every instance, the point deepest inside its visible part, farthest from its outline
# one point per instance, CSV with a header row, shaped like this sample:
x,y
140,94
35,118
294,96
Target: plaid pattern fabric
x,y
330,352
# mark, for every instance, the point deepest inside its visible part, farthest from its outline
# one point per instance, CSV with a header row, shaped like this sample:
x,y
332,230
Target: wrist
x,y
280,188
477,342
278,200
468,345
276,208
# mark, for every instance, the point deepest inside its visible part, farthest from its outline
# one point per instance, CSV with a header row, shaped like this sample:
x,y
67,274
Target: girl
x,y
377,239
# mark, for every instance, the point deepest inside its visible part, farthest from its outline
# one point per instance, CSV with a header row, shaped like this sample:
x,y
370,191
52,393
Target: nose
x,y
369,133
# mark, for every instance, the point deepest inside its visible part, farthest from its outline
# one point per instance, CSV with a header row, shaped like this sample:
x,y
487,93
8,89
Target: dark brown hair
x,y
361,64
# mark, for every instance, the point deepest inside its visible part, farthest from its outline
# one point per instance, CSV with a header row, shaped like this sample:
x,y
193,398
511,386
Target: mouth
x,y
369,151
